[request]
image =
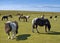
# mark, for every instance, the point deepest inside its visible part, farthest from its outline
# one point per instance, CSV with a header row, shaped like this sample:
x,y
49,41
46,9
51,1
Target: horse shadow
x,y
22,37
51,33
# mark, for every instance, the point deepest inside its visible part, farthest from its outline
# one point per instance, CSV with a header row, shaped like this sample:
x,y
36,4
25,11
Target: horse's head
x,y
47,23
51,17
10,16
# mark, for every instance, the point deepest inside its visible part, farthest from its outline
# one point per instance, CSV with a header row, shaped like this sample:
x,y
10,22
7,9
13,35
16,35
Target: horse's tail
x,y
49,26
16,26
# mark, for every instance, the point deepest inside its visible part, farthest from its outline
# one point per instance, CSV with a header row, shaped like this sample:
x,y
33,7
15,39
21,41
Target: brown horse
x,y
24,18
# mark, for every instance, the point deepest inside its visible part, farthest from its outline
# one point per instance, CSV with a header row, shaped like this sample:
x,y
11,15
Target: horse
x,y
6,17
55,18
19,14
40,22
24,17
10,16
11,26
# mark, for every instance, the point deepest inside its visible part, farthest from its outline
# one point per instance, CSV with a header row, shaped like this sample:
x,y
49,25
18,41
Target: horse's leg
x,y
13,35
33,26
26,19
48,29
37,29
8,35
7,18
19,18
45,28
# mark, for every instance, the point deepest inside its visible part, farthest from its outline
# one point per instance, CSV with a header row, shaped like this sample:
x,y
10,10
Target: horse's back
x,y
34,20
13,25
39,21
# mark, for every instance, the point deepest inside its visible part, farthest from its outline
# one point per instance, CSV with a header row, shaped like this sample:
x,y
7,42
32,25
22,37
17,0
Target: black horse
x,y
51,17
55,16
40,22
6,17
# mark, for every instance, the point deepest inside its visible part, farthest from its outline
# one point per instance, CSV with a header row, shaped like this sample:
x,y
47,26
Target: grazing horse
x,y
11,26
6,17
19,14
40,22
24,17
10,16
55,18
50,17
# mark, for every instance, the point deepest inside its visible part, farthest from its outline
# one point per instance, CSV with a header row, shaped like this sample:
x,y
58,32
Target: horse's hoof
x,y
8,37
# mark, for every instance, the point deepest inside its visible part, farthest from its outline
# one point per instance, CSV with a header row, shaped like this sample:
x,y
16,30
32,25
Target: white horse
x,y
11,26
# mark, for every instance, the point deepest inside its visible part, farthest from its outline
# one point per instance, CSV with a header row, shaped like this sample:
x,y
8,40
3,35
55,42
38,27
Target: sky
x,y
31,5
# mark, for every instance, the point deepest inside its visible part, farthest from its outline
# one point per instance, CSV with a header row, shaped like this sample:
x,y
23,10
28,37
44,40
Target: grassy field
x,y
25,34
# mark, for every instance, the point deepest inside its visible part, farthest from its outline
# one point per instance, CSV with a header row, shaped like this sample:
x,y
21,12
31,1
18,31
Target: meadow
x,y
25,34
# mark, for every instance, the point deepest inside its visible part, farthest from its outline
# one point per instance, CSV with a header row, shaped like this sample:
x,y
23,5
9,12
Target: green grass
x,y
25,34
